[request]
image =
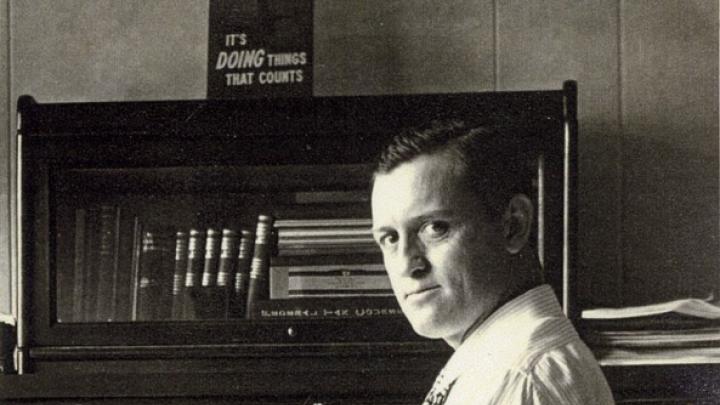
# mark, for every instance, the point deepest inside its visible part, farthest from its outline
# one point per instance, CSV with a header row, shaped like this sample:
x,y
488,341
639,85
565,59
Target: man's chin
x,y
427,328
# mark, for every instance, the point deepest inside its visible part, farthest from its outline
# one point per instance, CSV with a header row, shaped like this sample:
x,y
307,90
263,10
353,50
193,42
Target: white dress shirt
x,y
526,352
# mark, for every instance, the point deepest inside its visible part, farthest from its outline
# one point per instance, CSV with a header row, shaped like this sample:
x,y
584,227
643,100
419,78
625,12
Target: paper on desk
x,y
7,318
689,306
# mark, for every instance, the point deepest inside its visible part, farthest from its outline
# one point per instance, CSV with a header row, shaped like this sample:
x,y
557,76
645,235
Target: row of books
x,y
326,257
324,237
327,269
213,274
286,269
96,266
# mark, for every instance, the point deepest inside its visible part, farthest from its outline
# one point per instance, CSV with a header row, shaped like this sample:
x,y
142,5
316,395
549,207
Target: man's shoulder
x,y
548,338
571,371
563,372
562,367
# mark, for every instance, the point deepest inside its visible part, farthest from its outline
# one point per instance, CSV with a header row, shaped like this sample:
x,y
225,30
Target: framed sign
x,y
260,48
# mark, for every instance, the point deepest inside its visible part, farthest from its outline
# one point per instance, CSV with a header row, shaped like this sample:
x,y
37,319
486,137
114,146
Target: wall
x,y
648,101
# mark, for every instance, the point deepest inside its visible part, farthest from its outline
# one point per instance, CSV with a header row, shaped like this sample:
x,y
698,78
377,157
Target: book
x,y
179,268
698,337
107,267
327,308
612,356
149,259
79,266
318,232
331,280
238,297
226,269
164,274
207,303
325,197
327,249
258,282
228,258
681,323
193,273
320,241
90,280
323,222
692,307
324,236
156,268
124,260
135,268
212,254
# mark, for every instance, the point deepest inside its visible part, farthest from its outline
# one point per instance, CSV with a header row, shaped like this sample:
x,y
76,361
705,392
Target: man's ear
x,y
517,222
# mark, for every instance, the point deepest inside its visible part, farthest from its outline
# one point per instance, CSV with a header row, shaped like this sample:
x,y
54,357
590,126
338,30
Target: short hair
x,y
495,164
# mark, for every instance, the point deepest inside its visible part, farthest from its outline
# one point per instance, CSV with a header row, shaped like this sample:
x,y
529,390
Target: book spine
x,y
123,266
79,266
323,222
258,288
147,288
106,264
226,268
338,240
135,268
115,266
329,280
193,273
236,305
206,301
164,275
323,232
155,277
181,259
228,258
90,283
326,250
210,265
336,308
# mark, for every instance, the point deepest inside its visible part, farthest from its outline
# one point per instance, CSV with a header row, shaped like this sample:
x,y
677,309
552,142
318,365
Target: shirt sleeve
x,y
569,375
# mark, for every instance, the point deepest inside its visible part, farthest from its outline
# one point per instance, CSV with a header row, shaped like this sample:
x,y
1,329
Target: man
x,y
452,217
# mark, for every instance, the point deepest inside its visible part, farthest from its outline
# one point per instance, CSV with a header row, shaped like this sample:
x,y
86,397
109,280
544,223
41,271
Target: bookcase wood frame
x,y
221,138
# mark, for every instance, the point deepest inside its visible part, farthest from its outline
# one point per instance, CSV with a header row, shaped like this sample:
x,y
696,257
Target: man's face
x,y
446,262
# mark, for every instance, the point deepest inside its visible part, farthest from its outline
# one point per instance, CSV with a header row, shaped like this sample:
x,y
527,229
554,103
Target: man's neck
x,y
511,295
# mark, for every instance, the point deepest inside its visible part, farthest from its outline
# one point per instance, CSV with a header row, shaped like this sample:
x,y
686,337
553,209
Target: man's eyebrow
x,y
445,213
381,229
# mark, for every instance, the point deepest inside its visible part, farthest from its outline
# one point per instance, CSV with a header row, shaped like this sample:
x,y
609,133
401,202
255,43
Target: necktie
x,y
439,391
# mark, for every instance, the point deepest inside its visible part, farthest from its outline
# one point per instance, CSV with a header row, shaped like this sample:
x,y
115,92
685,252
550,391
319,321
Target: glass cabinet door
x,y
216,243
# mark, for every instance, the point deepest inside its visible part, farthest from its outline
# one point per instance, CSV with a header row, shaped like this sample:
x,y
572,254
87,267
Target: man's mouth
x,y
421,291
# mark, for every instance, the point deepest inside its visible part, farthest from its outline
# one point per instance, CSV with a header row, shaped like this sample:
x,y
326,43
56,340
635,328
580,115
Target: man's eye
x,y
387,239
434,230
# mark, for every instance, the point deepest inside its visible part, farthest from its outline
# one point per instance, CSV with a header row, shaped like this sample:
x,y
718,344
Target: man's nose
x,y
413,261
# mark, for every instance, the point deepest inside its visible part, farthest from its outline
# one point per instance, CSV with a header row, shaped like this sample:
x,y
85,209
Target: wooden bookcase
x,y
197,164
